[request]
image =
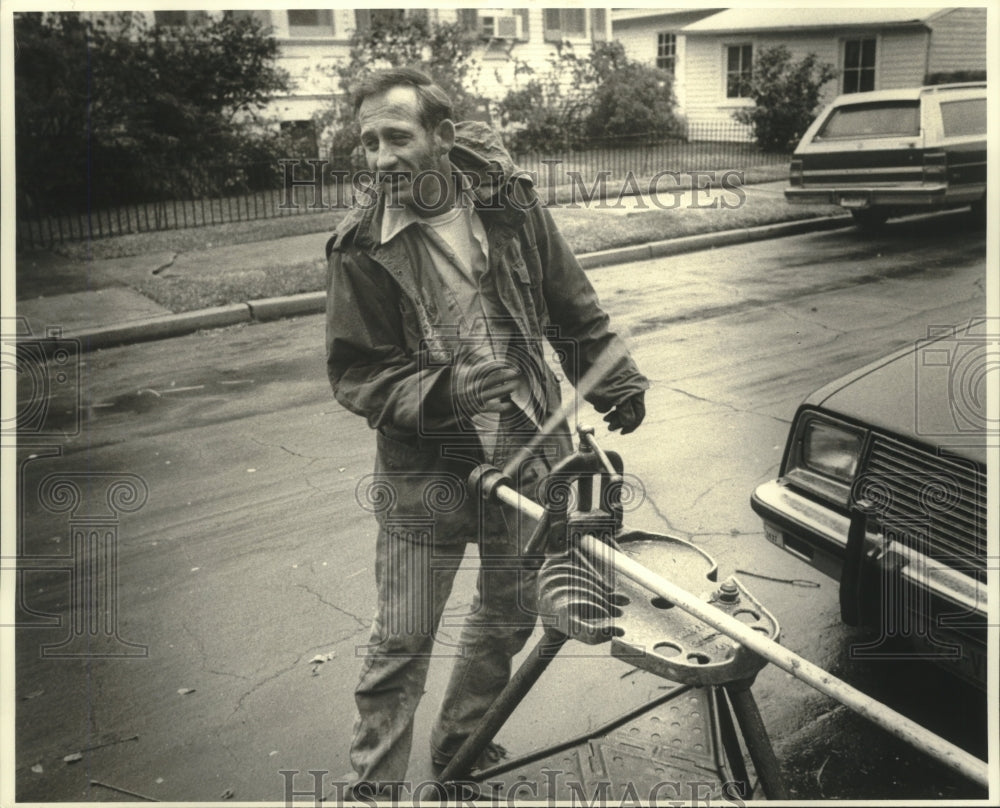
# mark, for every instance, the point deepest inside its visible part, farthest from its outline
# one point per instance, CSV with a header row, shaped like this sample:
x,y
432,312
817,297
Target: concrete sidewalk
x,y
101,307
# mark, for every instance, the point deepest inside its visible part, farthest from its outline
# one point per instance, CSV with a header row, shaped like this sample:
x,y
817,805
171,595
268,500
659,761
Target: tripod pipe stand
x,y
582,606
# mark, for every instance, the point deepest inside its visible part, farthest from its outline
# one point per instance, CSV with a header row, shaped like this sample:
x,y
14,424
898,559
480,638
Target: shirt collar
x,y
396,218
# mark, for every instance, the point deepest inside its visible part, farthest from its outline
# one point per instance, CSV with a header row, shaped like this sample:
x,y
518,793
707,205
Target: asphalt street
x,y
242,585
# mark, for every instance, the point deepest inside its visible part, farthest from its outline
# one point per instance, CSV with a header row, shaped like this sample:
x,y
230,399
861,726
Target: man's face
x,y
395,141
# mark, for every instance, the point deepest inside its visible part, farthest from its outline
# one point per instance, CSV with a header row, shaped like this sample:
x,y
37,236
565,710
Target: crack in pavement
x,y
792,314
167,265
311,458
325,602
703,400
711,488
731,407
659,513
316,488
262,682
282,671
204,655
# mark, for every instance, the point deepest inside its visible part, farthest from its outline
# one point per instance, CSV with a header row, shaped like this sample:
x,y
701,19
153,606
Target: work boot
x,y
493,754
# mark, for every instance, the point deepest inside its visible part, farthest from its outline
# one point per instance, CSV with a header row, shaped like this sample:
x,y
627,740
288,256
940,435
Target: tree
x,y
442,50
601,95
111,108
786,97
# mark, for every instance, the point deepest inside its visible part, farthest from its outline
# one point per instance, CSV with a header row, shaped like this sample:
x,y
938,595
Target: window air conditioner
x,y
500,27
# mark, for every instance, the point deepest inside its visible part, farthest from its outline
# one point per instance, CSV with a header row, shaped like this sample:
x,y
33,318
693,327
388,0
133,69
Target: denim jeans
x,y
414,581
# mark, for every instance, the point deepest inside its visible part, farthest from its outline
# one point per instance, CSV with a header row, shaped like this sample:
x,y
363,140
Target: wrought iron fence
x,y
709,146
304,187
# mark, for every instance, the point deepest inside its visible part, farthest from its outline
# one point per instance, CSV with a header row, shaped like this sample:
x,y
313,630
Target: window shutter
x,y
468,19
387,16
574,21
553,31
598,24
523,14
363,19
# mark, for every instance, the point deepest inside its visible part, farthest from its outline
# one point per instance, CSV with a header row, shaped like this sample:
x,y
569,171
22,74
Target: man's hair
x,y
434,103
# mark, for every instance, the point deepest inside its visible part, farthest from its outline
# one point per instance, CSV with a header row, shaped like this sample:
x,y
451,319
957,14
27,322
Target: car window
x,y
882,119
965,117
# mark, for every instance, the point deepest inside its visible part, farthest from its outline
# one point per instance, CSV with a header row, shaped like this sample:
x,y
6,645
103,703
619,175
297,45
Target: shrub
x,y
633,99
111,109
786,97
954,77
603,95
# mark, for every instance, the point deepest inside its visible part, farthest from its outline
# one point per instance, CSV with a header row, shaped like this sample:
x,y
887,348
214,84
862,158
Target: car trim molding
x,y
789,510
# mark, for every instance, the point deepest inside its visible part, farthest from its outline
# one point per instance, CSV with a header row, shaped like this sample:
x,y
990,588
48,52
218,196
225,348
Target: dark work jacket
x,y
387,356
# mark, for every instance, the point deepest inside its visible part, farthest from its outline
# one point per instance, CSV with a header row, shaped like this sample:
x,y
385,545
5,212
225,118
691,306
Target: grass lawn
x,y
193,292
587,228
219,235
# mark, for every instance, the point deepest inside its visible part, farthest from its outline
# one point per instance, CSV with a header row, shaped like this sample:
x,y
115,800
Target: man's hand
x,y
627,414
486,387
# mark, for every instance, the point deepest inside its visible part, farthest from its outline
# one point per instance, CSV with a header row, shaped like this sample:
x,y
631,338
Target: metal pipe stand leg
x,y
731,741
757,740
512,695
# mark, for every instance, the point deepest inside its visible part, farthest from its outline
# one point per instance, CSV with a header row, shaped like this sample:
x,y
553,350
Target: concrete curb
x,y
706,241
275,308
162,327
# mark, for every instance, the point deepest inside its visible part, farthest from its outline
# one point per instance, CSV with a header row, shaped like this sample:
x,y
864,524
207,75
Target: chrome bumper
x,y
922,196
786,512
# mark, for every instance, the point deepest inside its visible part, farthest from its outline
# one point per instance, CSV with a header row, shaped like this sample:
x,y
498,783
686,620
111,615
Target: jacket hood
x,y
478,151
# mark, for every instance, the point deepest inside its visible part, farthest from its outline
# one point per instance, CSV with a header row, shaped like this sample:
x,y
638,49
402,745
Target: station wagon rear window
x,y
964,117
882,119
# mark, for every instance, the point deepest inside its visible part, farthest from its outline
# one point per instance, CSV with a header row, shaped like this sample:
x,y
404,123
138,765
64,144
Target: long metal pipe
x,y
814,676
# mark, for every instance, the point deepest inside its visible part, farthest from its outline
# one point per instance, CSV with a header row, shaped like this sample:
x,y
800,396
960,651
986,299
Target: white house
x,y
654,37
510,38
871,49
314,40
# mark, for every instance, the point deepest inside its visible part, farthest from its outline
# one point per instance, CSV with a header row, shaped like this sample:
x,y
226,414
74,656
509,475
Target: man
x,y
443,285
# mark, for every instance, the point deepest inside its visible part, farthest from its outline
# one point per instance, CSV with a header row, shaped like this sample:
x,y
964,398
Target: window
x,y
666,51
565,23
387,16
883,119
739,69
963,118
487,24
310,22
179,17
859,65
365,18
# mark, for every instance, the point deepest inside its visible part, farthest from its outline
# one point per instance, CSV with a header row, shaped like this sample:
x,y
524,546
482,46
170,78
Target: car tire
x,y
870,218
978,211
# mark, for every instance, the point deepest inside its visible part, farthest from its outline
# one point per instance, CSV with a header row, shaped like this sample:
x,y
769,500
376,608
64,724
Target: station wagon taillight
x,y
935,167
795,172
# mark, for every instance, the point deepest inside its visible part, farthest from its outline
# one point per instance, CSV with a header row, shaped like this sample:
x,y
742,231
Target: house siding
x,y
497,72
639,36
704,67
310,61
903,56
958,41
901,59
